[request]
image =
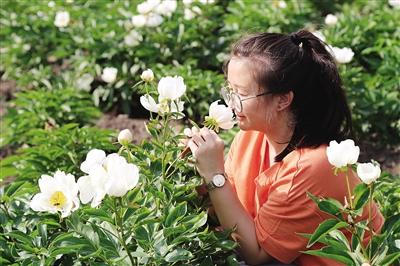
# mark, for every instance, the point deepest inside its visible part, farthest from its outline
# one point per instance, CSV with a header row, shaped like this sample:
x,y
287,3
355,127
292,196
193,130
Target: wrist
x,y
209,176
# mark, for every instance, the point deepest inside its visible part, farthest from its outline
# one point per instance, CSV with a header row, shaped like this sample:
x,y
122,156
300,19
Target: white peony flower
x,y
114,176
122,176
92,186
342,154
319,35
282,4
51,4
134,38
166,8
189,14
177,106
109,74
125,137
62,19
342,55
171,88
395,3
220,116
154,20
397,243
331,19
83,82
93,158
147,75
147,6
149,103
139,20
368,172
57,194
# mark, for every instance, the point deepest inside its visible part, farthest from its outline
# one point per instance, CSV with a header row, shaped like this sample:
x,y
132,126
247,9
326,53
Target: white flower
x,y
171,88
368,172
122,176
177,106
147,75
154,20
220,116
319,35
395,3
149,103
92,186
93,158
342,154
114,176
51,4
166,8
342,55
331,19
62,19
83,82
138,20
58,193
109,74
125,137
133,38
282,4
365,264
189,14
147,6
205,2
397,243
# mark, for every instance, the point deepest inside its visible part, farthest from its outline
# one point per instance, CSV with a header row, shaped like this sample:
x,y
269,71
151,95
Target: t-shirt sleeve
x,y
287,212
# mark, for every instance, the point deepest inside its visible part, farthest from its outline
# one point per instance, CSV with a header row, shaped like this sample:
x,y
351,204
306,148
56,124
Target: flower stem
x,y
371,189
348,190
120,229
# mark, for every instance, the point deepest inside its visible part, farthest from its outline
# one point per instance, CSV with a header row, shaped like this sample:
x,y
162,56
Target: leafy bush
x,y
45,109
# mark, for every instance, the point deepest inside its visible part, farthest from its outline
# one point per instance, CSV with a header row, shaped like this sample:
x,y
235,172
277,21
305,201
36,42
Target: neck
x,y
279,136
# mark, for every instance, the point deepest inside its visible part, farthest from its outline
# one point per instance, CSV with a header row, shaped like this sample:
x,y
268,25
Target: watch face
x,y
219,180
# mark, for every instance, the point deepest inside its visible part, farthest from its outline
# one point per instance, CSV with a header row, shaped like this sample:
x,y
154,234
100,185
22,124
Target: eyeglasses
x,y
233,100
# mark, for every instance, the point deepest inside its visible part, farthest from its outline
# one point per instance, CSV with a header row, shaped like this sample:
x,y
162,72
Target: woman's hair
x,y
299,62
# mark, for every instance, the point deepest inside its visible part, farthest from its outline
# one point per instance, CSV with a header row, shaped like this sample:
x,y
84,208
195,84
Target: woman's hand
x,y
208,149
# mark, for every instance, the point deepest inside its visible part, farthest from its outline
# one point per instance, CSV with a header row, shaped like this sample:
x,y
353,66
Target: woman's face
x,y
257,112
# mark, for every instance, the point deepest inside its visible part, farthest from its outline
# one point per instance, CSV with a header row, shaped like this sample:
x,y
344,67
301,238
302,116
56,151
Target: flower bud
x,y
147,75
109,74
368,172
125,137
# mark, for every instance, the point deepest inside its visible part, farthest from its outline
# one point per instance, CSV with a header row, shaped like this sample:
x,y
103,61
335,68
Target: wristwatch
x,y
217,181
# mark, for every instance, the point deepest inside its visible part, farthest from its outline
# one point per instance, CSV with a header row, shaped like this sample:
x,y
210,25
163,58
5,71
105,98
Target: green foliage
x,y
44,109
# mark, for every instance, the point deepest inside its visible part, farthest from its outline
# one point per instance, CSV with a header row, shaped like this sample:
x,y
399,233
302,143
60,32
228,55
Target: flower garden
x,y
76,192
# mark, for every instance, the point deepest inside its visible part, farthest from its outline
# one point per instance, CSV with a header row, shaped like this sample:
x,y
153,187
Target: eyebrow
x,y
236,85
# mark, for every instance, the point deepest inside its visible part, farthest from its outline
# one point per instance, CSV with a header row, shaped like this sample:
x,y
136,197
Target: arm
x,y
208,149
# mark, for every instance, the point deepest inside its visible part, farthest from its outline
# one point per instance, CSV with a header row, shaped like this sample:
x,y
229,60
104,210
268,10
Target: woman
x,y
289,103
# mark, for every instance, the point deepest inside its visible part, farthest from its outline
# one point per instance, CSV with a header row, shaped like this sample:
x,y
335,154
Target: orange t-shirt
x,y
275,196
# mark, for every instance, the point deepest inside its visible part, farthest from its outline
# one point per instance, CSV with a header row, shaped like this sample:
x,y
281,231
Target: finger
x,y
198,140
205,133
193,146
214,134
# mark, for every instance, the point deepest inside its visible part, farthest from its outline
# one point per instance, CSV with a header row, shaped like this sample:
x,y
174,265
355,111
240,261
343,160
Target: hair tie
x,y
296,39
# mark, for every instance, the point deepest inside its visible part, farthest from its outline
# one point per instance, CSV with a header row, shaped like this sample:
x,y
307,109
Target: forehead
x,y
240,74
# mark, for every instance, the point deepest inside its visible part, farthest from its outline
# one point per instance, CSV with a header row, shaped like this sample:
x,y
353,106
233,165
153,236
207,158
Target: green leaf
x,y
332,253
99,213
176,214
324,228
390,259
361,195
22,237
177,255
331,206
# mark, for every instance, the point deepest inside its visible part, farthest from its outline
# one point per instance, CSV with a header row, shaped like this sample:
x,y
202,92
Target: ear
x,y
285,100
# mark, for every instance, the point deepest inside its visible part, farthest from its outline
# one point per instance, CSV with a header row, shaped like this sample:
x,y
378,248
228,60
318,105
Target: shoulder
x,y
307,169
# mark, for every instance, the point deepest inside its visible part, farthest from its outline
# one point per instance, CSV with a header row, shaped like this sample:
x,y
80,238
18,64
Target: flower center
x,y
211,123
58,199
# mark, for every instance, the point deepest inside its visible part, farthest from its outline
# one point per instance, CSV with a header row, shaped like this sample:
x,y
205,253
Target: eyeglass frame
x,y
230,91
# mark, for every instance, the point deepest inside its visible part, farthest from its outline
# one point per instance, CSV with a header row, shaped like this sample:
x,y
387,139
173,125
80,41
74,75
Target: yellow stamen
x,y
58,199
